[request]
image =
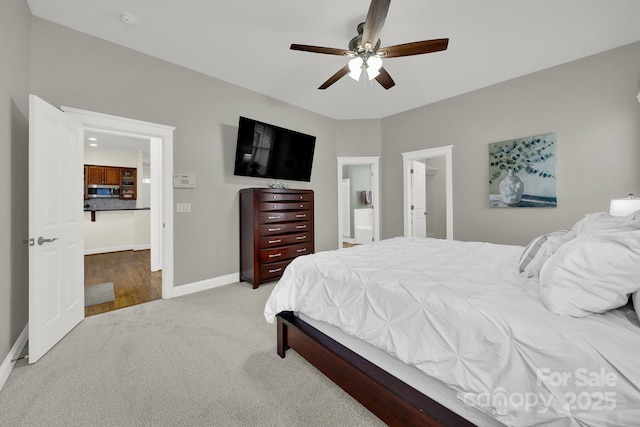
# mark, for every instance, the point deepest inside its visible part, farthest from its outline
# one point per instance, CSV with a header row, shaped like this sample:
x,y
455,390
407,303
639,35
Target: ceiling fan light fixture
x,y
355,68
374,63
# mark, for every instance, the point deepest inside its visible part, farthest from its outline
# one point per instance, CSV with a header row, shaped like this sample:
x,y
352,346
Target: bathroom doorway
x,y
358,201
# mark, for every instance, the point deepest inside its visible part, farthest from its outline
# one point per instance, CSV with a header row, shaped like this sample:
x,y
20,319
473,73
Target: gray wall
x,y
591,106
358,138
76,70
15,33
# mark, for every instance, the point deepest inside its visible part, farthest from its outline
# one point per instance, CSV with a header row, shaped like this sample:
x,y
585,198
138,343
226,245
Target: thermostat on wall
x,y
184,180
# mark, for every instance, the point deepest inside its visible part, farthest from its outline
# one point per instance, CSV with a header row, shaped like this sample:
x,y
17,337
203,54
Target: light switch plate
x,y
183,207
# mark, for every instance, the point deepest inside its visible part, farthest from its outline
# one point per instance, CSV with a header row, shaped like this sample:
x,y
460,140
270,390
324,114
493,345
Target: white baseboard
x,y
119,248
203,285
7,365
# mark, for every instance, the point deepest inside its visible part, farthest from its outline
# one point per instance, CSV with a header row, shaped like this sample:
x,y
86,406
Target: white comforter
x,y
459,312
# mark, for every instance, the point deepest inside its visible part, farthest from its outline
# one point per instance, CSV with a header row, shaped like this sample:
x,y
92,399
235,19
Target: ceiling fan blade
x,y
337,76
319,49
385,79
414,48
374,21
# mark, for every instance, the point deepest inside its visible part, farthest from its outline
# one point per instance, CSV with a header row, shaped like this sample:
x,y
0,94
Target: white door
x,y
418,200
56,246
346,208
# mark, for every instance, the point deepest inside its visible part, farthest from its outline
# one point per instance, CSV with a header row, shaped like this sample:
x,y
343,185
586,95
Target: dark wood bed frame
x,y
390,399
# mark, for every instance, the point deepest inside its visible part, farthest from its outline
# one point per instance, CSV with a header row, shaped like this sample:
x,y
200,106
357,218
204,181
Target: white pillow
x,y
592,274
636,303
602,221
540,249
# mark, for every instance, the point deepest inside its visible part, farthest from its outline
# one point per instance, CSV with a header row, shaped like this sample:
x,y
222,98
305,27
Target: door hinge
x,y
412,207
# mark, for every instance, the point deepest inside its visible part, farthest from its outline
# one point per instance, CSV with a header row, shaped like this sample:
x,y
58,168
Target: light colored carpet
x,y
98,294
206,359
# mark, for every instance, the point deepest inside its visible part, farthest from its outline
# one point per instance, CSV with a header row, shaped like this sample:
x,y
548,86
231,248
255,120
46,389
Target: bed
x,y
441,332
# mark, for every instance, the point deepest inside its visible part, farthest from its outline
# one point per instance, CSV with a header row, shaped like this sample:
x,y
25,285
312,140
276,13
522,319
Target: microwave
x,y
102,191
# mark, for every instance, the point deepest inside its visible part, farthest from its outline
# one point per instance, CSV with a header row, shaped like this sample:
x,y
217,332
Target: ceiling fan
x,y
365,50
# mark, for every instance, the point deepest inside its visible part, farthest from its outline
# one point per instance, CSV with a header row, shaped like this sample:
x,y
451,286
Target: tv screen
x,y
269,151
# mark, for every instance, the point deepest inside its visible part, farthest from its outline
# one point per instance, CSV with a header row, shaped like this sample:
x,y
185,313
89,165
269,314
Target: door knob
x,y
42,240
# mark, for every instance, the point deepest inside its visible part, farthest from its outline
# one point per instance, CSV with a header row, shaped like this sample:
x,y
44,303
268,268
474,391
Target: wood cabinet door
x,y
112,176
95,175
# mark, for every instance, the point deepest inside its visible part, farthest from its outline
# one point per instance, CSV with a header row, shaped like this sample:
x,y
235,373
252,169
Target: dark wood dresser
x,y
276,226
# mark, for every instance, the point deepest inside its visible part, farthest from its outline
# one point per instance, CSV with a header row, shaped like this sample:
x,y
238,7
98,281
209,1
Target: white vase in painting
x,y
511,189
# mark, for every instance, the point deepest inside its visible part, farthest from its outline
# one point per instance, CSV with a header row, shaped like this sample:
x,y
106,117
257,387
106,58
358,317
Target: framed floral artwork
x,y
522,172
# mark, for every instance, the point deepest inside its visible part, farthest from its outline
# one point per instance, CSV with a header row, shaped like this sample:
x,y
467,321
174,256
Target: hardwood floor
x,y
349,245
133,282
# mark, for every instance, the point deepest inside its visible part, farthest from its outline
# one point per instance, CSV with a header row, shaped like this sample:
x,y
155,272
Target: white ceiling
x,y
114,142
247,42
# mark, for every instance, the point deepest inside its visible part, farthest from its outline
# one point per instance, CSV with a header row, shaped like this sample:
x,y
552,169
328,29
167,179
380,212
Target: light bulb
x,y
355,66
374,63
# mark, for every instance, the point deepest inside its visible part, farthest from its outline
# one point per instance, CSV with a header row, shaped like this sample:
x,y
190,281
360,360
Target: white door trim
x,y
374,162
163,136
407,158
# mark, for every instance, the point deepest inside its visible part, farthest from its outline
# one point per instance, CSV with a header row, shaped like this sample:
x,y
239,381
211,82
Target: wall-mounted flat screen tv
x,y
269,151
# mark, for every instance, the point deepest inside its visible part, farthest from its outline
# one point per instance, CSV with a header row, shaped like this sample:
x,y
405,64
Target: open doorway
x,y
156,177
428,198
358,201
117,227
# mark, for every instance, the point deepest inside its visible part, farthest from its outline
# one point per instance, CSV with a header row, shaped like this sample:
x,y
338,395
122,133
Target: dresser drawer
x,y
283,206
277,216
283,197
274,270
284,252
275,229
287,239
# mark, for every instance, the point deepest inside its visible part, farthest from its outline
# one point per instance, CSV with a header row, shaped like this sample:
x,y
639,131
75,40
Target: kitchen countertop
x,y
115,209
93,211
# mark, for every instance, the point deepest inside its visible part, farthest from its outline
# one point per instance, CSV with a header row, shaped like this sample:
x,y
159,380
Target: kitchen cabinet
x,y
103,175
128,183
123,177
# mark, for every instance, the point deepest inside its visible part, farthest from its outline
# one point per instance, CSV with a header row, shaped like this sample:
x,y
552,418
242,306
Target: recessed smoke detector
x,y
128,18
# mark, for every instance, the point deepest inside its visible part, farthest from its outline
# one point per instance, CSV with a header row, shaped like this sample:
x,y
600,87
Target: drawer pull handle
x,y
301,216
274,217
301,250
275,229
301,237
301,205
275,270
301,226
275,255
300,197
275,241
275,197
275,206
